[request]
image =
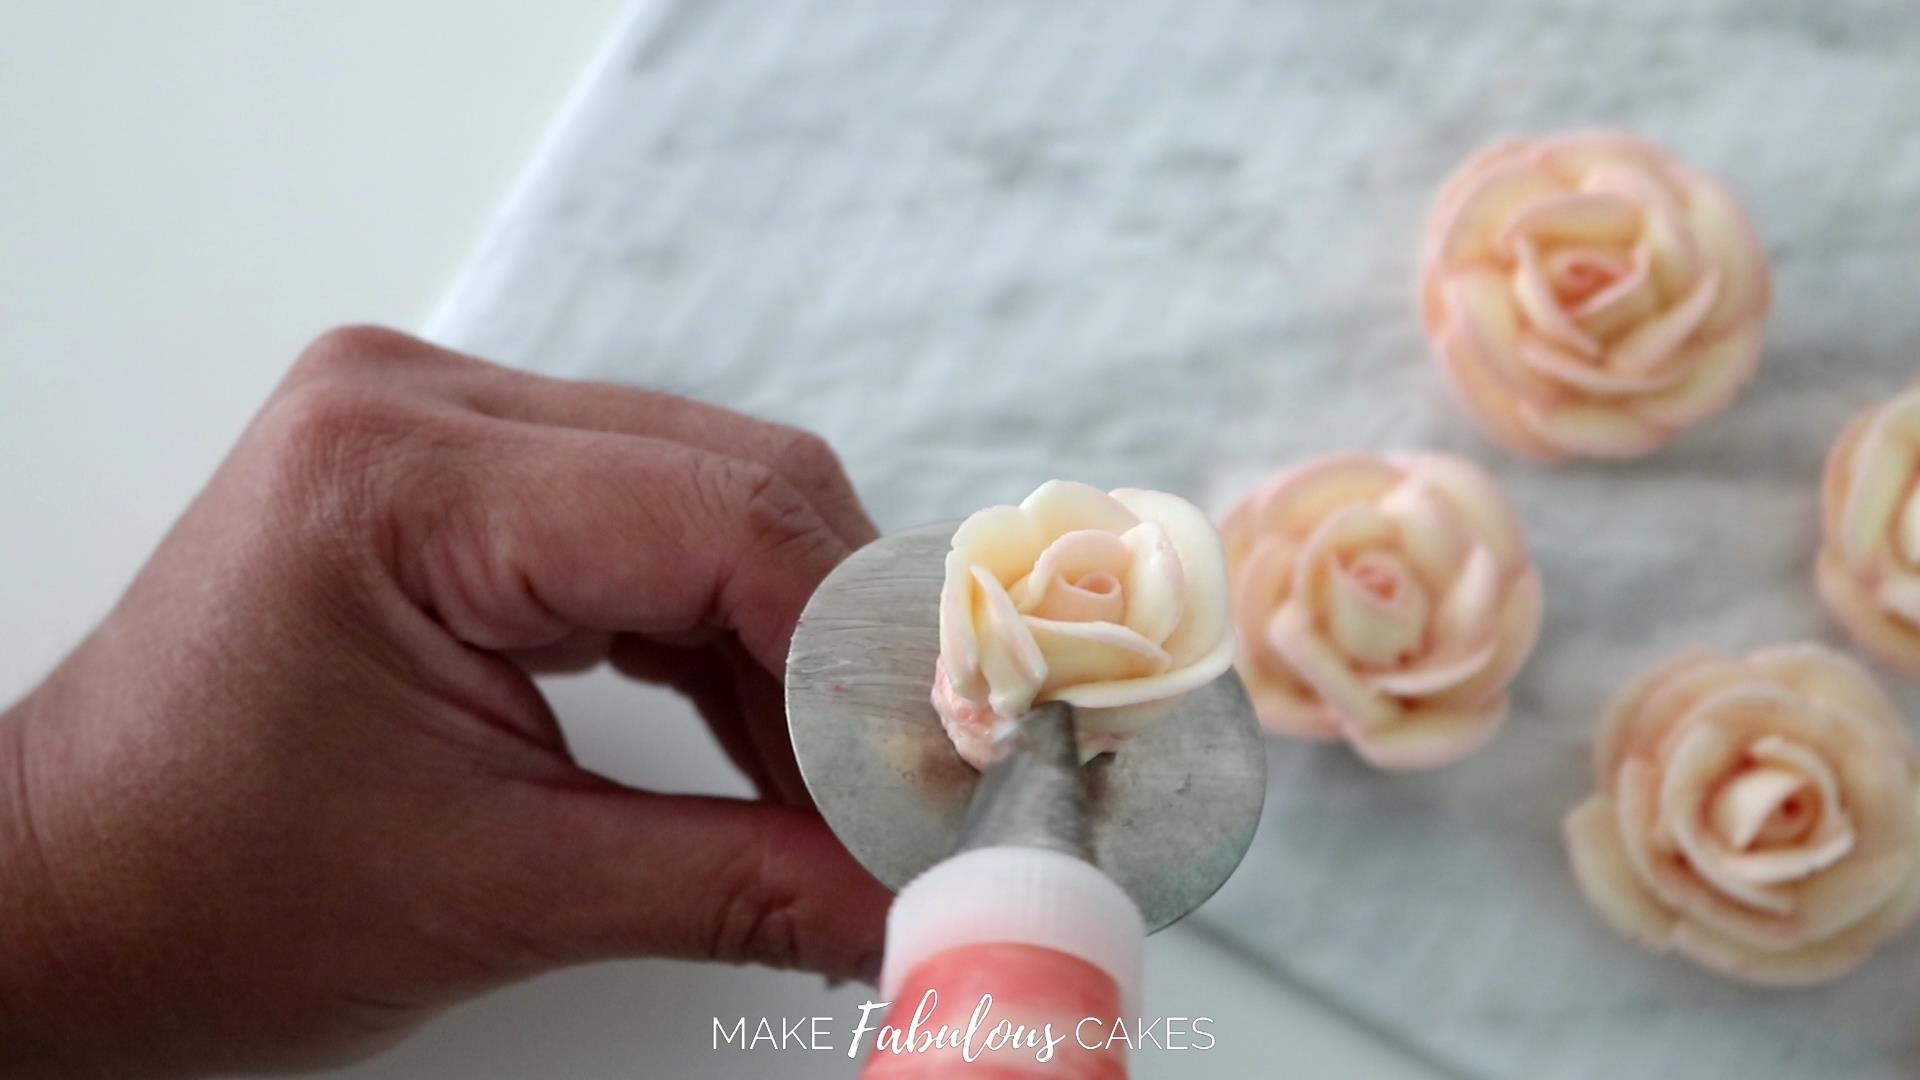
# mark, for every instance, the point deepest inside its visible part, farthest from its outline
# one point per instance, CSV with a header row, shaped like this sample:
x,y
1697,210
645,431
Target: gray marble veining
x,y
1170,243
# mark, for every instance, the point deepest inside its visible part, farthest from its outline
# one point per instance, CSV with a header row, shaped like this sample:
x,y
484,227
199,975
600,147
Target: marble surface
x,y
1171,244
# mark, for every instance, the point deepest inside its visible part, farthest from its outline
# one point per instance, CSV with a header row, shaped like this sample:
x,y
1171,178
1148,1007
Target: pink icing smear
x,y
974,727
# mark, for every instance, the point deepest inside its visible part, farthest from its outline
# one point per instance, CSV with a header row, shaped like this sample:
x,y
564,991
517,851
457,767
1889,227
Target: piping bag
x,y
1033,883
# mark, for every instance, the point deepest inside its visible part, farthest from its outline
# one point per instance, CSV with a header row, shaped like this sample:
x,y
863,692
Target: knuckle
x,y
755,921
778,518
808,457
322,445
356,352
320,422
348,348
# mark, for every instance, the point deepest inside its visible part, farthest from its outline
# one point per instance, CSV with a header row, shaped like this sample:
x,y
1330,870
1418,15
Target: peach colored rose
x,y
1384,600
1869,564
1589,296
1756,816
1114,603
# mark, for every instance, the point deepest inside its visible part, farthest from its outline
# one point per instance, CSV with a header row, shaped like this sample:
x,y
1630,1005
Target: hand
x,y
298,790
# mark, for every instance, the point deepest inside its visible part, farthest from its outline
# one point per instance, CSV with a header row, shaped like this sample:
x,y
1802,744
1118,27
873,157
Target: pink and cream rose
x,y
1756,816
1115,603
1869,564
1387,601
1589,296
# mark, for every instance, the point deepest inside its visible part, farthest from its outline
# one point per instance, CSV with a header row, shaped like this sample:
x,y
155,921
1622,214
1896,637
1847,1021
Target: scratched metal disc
x,y
1171,813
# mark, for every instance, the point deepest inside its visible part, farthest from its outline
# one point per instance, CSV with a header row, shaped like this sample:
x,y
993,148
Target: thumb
x,y
634,873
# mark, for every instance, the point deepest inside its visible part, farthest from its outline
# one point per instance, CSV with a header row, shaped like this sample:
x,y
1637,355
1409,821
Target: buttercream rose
x,y
1115,603
1384,600
1756,816
1589,296
1869,564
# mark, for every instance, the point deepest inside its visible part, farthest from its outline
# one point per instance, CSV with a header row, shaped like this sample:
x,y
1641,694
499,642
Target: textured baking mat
x,y
1170,243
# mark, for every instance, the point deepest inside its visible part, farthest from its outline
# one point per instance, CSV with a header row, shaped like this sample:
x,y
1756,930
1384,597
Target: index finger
x,y
543,532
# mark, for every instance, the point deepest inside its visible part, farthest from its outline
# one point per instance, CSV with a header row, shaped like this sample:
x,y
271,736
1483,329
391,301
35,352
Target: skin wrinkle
x,y
754,913
57,921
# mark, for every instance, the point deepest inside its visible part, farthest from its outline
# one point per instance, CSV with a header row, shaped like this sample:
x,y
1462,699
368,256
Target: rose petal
x,y
1320,666
1478,499
1434,674
1061,506
1883,475
1719,370
1485,399
1908,532
1834,679
1807,965
1744,804
1674,881
1536,298
1836,476
1515,632
1002,539
1576,217
1466,614
1642,348
1377,609
1428,530
1485,162
1697,761
1170,684
1582,266
1899,595
959,645
1284,712
1769,867
1851,891
1156,587
1347,531
1592,430
1724,229
1010,660
1593,378
1093,652
1081,553
1481,304
1474,225
1893,643
1574,155
1675,259
1622,304
1607,878
1093,598
1425,738
1203,623
1296,501
1638,717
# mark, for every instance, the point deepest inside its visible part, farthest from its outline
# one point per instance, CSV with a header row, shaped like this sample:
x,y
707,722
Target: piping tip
x,y
1034,796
